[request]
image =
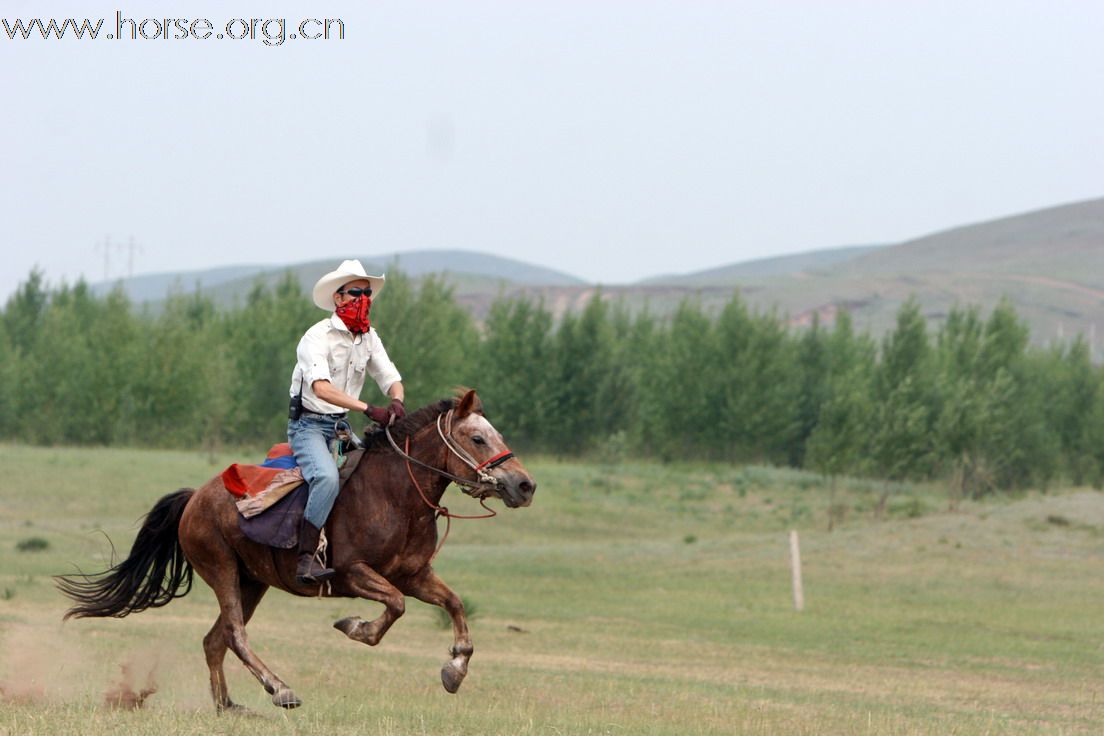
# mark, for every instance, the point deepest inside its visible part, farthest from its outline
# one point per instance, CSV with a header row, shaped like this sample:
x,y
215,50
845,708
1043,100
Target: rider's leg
x,y
309,439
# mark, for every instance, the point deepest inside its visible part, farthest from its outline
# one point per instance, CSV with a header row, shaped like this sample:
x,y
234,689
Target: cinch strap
x,y
495,461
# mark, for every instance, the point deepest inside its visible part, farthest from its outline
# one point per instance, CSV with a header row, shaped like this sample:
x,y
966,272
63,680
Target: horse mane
x,y
408,425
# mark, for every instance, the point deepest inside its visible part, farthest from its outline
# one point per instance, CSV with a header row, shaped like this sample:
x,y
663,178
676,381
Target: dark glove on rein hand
x,y
396,410
378,414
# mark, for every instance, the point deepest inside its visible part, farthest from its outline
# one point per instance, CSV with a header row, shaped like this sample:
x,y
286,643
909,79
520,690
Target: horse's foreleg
x,y
214,645
365,582
427,587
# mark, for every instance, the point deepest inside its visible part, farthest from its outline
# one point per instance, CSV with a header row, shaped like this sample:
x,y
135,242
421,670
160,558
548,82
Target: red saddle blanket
x,y
259,486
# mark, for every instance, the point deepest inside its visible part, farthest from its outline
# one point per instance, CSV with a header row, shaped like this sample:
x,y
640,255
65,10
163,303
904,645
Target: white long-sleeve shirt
x,y
329,351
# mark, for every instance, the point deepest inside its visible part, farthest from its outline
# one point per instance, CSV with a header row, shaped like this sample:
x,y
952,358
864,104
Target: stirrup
x,y
315,572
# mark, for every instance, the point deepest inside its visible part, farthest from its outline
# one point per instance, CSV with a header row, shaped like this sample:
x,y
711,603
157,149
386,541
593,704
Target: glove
x,y
378,414
396,411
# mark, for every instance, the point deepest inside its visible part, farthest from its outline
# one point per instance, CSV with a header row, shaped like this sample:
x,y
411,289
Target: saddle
x,y
272,514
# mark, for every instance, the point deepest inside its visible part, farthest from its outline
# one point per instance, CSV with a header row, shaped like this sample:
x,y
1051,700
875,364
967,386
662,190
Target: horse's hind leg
x,y
365,582
214,645
427,587
222,576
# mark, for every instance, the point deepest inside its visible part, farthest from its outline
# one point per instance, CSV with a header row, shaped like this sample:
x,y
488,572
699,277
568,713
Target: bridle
x,y
484,485
490,463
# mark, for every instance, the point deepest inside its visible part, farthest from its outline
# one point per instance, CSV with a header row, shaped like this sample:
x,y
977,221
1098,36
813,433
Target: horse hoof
x,y
348,625
452,675
285,698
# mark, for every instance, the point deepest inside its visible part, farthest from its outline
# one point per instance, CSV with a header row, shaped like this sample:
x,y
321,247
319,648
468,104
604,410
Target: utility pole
x,y
131,247
105,246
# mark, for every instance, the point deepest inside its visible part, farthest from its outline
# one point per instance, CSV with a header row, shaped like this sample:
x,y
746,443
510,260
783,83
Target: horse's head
x,y
474,435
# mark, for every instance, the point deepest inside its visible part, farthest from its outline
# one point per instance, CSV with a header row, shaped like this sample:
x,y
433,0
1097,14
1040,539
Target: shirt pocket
x,y
340,359
359,362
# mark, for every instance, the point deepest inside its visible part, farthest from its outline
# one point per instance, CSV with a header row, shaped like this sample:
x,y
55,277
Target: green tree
x,y
181,382
581,365
84,372
814,379
257,344
966,398
840,438
25,311
1072,410
9,385
430,338
903,443
752,367
1018,447
514,364
678,397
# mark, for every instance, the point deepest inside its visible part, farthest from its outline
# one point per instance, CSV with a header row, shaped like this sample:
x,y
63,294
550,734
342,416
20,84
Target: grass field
x,y
629,599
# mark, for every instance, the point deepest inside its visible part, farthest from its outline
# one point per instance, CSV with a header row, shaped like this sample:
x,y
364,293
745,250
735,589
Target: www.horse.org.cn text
x,y
269,31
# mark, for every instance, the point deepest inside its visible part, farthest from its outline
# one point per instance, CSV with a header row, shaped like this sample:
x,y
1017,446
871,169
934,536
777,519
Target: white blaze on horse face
x,y
482,427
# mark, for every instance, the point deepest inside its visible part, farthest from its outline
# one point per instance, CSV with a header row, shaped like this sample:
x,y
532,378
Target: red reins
x,y
442,510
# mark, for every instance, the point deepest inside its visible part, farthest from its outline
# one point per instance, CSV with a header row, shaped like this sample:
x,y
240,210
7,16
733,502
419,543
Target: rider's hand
x,y
378,414
396,411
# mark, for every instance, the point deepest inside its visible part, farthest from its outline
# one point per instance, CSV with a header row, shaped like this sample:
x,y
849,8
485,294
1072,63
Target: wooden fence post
x,y
795,567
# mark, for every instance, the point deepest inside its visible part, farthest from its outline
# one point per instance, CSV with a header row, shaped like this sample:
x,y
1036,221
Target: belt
x,y
335,417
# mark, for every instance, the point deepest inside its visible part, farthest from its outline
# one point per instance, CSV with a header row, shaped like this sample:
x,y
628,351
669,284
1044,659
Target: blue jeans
x,y
310,436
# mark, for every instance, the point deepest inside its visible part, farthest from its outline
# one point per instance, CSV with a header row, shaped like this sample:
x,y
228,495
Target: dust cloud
x,y
126,693
46,664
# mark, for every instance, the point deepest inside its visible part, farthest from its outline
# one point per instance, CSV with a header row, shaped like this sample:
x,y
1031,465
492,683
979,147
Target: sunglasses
x,y
356,291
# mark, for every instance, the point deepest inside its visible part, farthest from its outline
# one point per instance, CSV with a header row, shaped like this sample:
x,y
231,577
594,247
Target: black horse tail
x,y
149,578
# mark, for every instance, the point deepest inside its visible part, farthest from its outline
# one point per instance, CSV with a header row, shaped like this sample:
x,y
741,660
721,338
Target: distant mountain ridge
x,y
153,287
733,273
1048,263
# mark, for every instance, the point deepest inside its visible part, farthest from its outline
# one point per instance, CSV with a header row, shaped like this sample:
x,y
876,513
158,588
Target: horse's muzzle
x,y
516,489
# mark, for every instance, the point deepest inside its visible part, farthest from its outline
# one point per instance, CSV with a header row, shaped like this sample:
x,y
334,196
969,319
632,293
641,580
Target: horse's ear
x,y
469,403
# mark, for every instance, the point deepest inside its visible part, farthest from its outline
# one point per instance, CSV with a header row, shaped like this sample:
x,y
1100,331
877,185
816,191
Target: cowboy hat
x,y
334,280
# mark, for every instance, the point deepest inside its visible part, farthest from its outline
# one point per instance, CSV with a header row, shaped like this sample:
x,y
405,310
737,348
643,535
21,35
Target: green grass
x,y
630,599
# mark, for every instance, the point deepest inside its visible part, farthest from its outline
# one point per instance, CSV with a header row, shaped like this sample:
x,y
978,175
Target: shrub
x,y
32,544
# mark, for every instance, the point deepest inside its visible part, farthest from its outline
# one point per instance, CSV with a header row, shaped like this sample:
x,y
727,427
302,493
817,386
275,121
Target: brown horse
x,y
382,535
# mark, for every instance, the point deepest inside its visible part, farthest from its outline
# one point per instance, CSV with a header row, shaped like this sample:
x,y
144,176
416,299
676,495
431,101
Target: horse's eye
x,y
477,439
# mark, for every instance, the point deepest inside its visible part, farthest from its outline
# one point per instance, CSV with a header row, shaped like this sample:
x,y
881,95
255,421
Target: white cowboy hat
x,y
334,280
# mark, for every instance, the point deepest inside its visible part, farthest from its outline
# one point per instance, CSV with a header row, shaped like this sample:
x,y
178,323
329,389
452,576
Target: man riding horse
x,y
383,525
331,363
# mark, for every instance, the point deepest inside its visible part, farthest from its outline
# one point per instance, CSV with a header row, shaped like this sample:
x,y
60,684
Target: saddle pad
x,y
250,506
283,508
278,526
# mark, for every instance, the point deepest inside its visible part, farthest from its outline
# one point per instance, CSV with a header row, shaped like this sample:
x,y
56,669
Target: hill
x,y
470,272
155,286
735,273
1048,263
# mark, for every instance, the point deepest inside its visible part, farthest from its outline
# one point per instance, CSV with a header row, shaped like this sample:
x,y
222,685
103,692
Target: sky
x,y
610,140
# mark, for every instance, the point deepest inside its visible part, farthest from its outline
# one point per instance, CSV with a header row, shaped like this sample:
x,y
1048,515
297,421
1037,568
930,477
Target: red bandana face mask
x,y
354,313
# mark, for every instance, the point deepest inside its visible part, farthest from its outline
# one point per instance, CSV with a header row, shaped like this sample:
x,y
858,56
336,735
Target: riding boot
x,y
309,571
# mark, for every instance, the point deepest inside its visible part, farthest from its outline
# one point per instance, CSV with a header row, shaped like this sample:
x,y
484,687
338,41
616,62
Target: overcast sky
x,y
610,140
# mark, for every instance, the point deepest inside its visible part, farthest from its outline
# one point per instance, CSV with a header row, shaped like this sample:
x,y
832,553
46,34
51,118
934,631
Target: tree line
x,y
972,401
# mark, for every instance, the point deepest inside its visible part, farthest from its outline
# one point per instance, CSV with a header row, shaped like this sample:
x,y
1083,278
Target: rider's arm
x,y
327,392
395,391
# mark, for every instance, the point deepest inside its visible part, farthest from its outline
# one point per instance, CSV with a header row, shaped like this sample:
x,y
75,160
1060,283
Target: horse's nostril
x,y
527,487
